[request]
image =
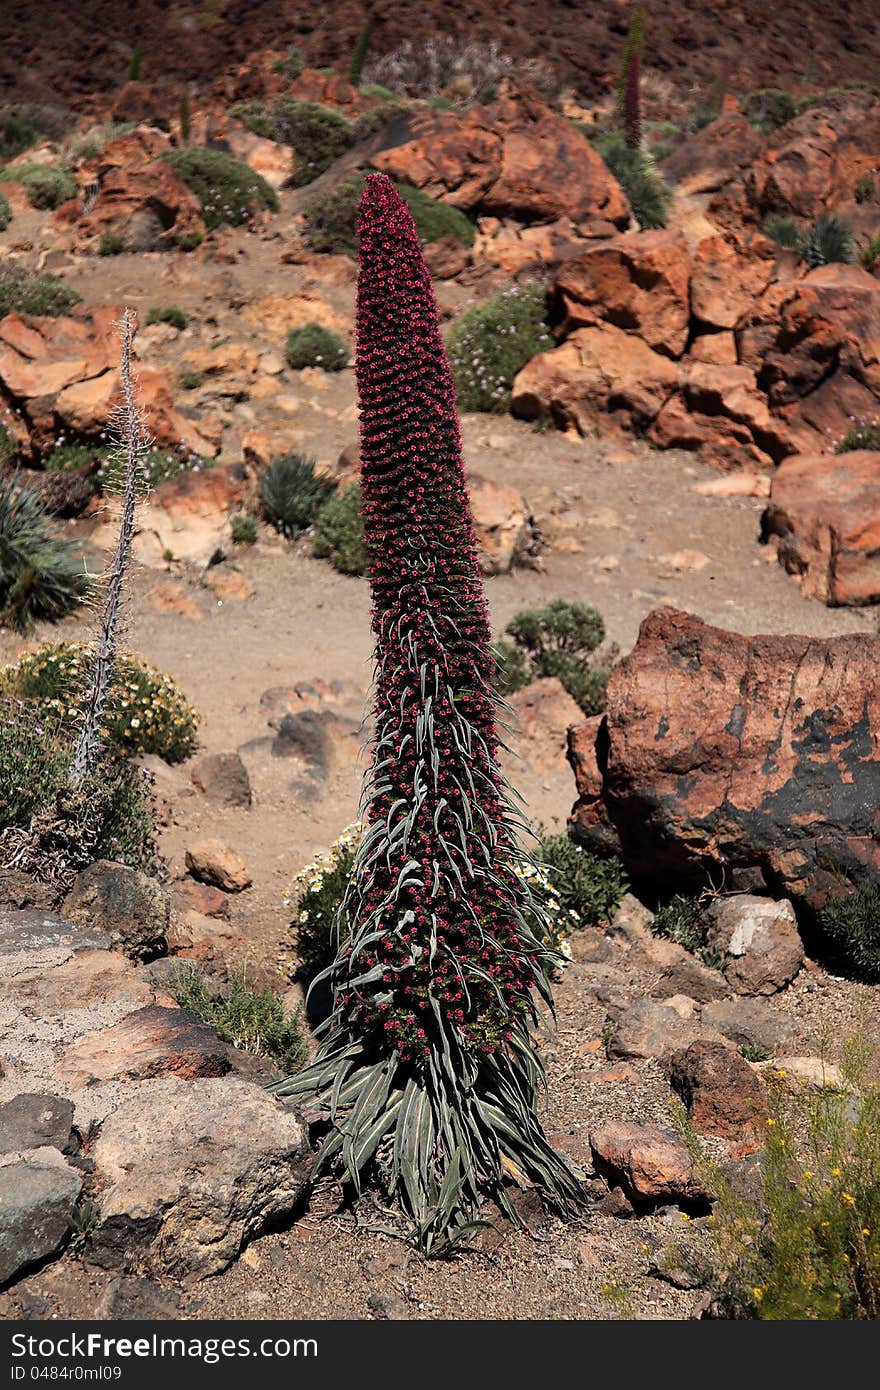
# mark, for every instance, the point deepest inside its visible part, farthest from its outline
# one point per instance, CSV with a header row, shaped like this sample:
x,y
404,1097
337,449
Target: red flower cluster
x,y
441,937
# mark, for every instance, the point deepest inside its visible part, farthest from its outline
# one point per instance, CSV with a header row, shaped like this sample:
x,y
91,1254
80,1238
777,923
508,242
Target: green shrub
x,y
809,1248
491,342
251,1018
850,928
5,212
70,458
292,494
559,641
865,189
41,576
316,346
864,434
650,197
147,712
585,883
783,230
243,529
168,313
111,244
869,254
768,108
513,670
316,895
158,465
331,217
226,188
22,124
435,219
24,293
755,1052
827,240
46,187
317,134
339,532
191,380
35,753
292,65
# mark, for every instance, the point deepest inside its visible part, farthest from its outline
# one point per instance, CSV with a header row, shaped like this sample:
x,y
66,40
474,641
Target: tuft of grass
x,y
869,255
491,342
681,920
111,244
768,108
243,528
191,380
850,927
41,576
783,230
292,494
316,346
649,195
253,1019
339,532
827,240
865,189
168,313
25,293
559,641
755,1052
228,190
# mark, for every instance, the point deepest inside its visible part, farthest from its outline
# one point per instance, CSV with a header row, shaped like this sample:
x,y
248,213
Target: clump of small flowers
x,y
491,342
863,433
147,712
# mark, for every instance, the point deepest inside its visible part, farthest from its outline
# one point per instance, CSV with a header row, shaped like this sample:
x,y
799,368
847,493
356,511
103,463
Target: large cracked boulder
x,y
186,1174
639,282
824,513
751,761
516,158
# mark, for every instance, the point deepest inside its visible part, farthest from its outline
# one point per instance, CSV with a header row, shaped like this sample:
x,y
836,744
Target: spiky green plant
x,y
426,1076
41,576
827,240
359,54
292,493
650,196
783,230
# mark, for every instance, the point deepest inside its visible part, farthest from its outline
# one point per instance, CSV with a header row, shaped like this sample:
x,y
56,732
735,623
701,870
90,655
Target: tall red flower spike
x,y
632,102
426,1062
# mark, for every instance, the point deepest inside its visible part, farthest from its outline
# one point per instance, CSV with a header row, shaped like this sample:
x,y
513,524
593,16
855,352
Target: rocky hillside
x,y
75,54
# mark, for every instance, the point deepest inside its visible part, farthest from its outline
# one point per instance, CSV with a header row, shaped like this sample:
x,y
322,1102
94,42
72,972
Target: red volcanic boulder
x,y
814,161
716,156
720,411
748,761
639,282
725,283
514,159
824,510
815,346
147,205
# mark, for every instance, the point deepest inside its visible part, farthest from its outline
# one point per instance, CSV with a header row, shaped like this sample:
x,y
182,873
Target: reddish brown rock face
x,y
814,161
747,761
824,510
638,282
514,159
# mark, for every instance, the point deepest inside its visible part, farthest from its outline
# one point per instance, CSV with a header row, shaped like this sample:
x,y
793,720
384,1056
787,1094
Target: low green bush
x,y
111,244
559,640
649,195
147,712
339,532
227,189
513,670
292,65
168,313
35,753
585,883
250,1017
865,189
41,575
317,134
5,212
491,342
316,895
45,186
25,293
783,230
70,458
23,124
316,346
292,493
850,929
869,254
864,434
331,217
768,108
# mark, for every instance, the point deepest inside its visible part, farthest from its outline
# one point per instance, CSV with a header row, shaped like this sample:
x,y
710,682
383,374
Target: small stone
x,y
760,938
222,777
138,1300
722,1094
212,862
388,1306
751,1021
132,910
650,1164
36,1122
149,1042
